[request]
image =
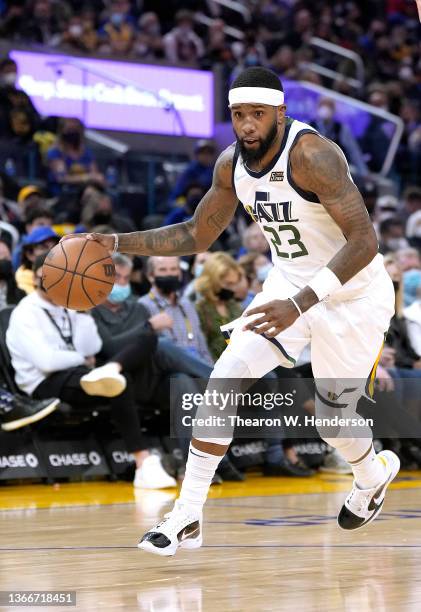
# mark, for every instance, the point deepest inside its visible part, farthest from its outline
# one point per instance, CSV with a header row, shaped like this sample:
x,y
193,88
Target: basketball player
x,y
328,287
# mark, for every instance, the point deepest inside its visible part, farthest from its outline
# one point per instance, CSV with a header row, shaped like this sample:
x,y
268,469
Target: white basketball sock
x,y
369,470
200,470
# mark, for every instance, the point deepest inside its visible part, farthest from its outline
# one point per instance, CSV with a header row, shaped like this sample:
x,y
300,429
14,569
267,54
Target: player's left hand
x,y
277,315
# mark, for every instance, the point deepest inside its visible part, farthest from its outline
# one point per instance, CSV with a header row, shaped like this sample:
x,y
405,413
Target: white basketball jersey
x,y
302,236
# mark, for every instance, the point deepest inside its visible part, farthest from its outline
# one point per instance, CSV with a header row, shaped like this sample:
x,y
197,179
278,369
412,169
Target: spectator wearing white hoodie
x,y
53,353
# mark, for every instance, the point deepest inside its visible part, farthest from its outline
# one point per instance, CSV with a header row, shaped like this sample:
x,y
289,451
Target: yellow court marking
x,y
15,497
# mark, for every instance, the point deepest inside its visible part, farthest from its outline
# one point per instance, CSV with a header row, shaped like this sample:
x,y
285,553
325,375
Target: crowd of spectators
x,y
174,307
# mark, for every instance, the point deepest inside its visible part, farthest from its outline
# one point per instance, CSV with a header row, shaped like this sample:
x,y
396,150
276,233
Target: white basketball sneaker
x,y
105,381
151,475
181,528
363,505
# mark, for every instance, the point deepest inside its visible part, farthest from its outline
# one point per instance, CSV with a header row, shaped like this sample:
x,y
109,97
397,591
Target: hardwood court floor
x,y
270,544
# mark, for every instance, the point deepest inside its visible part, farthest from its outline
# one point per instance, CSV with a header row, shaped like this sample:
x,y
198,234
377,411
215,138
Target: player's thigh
x,y
347,338
253,355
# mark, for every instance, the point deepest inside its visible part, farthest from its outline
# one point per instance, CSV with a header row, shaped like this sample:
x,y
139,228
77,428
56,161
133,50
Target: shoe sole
x,y
169,551
395,461
31,419
103,387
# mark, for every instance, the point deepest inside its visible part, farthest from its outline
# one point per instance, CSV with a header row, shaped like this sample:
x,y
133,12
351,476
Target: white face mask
x,y
325,112
9,78
75,30
394,244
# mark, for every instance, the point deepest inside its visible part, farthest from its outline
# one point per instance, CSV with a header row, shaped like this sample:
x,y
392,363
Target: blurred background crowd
x,y
180,303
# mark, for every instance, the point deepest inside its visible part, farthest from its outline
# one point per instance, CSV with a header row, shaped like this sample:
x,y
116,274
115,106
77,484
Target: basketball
x,y
78,273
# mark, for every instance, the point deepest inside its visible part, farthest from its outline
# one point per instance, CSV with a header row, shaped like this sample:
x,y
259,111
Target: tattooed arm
x,y
213,214
318,166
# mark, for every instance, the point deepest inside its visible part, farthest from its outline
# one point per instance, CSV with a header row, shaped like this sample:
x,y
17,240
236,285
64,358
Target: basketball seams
x,y
86,293
98,280
73,272
64,270
95,262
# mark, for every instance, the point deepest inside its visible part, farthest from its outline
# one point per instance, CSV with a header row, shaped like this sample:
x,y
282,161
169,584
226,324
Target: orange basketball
x,y
78,273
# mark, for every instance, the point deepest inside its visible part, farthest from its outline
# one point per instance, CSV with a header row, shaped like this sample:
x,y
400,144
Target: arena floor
x,y
270,544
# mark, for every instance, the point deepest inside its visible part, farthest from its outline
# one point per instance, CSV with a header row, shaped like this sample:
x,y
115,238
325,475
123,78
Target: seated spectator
x,y
33,217
182,44
14,101
37,243
328,126
196,270
183,326
399,355
411,200
138,280
9,292
17,411
118,31
149,43
44,22
122,322
198,172
96,208
194,193
254,241
80,34
9,210
256,267
30,196
217,306
71,162
392,235
53,352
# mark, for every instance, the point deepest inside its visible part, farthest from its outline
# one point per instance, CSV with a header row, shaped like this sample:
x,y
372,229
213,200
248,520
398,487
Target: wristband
x,y
324,283
115,249
296,305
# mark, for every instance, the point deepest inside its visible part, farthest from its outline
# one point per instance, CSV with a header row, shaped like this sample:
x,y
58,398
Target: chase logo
x,y
276,176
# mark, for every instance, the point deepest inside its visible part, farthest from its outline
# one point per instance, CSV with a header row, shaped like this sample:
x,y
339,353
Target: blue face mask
x,y
198,269
263,271
119,293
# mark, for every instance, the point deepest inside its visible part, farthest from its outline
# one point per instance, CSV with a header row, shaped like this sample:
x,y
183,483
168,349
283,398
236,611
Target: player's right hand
x,y
161,321
107,240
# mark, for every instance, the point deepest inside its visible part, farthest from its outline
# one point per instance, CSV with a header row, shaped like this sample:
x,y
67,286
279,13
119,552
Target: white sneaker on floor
x,y
363,505
181,528
151,475
105,381
335,464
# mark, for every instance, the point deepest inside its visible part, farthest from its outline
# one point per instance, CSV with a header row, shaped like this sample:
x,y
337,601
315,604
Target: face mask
x,y
325,113
101,218
9,78
396,285
119,293
263,271
154,29
6,271
168,284
251,60
394,244
75,30
225,294
141,288
198,269
72,138
117,19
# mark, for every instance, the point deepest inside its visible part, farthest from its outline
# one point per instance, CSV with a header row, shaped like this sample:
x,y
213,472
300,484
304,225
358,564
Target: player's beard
x,y
250,155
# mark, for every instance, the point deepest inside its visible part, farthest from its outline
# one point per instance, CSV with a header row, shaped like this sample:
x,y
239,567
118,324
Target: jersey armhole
x,y
307,195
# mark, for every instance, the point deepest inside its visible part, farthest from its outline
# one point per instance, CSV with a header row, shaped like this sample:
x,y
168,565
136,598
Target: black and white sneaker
x,y
17,411
181,528
363,505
